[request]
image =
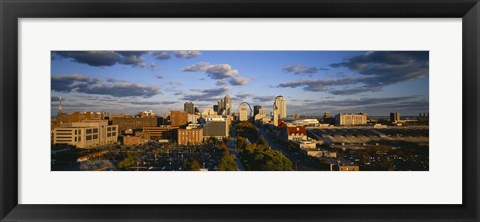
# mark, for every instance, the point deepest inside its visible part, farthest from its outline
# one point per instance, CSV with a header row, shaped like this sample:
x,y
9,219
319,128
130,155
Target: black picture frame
x,y
11,11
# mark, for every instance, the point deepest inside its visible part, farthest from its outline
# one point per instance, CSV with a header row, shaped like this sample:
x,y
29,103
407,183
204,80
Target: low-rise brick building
x,y
190,136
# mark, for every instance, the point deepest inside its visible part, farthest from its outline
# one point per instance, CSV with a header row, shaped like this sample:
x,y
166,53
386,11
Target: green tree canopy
x,y
227,163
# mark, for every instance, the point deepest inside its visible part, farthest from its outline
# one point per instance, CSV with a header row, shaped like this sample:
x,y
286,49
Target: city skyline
x,y
312,82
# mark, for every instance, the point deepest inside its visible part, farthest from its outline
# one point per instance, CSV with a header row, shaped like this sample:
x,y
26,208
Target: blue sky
x,y
375,82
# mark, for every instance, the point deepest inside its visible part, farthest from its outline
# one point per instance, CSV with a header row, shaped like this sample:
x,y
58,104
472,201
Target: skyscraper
x,y
189,108
243,112
227,104
221,107
281,105
256,110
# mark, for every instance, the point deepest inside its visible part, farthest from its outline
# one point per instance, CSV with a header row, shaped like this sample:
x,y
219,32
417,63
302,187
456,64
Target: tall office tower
x,y
256,110
189,108
215,108
275,114
228,104
220,107
281,105
394,117
243,112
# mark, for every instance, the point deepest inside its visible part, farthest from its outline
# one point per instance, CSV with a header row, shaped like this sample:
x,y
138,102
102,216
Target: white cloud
x,y
215,71
238,81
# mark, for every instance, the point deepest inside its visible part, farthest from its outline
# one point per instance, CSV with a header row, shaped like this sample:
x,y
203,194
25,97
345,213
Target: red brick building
x,y
65,118
133,140
125,123
292,133
190,136
159,132
178,118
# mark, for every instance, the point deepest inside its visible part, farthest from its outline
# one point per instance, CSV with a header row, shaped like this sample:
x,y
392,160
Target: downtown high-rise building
x,y
189,107
227,102
221,106
243,116
256,110
281,106
224,106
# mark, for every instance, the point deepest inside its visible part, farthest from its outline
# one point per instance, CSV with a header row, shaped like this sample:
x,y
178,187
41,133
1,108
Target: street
x,y
231,146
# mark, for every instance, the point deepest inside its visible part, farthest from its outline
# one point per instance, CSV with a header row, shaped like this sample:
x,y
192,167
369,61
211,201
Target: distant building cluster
x,y
224,106
190,126
184,127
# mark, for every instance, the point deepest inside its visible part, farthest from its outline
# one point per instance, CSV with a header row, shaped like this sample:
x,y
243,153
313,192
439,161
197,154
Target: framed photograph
x,y
227,110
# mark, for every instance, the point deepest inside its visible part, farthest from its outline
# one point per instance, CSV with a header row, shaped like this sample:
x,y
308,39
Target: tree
x,y
227,163
195,165
128,161
211,140
262,141
260,157
241,143
223,147
247,130
192,165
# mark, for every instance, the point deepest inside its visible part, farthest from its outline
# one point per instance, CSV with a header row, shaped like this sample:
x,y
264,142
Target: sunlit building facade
x,y
243,115
190,136
282,106
343,119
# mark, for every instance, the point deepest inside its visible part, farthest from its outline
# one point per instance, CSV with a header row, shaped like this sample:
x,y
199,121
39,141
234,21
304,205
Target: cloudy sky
x,y
312,82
